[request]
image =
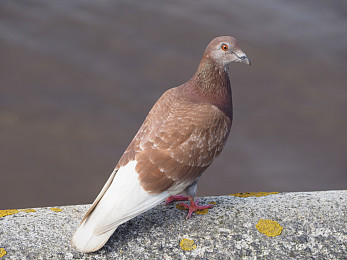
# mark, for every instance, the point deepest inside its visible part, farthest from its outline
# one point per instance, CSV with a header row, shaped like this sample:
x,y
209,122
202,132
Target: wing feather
x,y
178,140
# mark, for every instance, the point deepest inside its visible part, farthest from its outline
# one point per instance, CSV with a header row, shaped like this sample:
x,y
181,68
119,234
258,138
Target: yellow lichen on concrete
x,y
252,194
2,252
187,244
180,207
56,209
201,212
7,212
28,210
212,202
269,227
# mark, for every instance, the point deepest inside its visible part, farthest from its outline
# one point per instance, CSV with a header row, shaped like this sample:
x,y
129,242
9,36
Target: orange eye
x,y
224,47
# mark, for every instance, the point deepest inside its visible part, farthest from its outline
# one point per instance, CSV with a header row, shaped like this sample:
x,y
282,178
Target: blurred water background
x,y
77,78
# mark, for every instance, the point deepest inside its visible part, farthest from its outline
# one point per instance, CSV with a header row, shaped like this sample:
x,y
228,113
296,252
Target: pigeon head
x,y
225,50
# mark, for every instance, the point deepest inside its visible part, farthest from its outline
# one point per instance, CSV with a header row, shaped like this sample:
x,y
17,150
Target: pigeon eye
x,y
224,47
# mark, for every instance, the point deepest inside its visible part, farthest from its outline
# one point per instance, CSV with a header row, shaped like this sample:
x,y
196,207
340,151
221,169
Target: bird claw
x,y
194,206
175,198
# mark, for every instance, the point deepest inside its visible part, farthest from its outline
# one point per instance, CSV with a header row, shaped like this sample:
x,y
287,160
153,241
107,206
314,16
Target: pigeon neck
x,y
212,83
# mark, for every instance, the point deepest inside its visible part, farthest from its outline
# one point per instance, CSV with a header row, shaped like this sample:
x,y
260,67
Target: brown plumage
x,y
178,141
183,133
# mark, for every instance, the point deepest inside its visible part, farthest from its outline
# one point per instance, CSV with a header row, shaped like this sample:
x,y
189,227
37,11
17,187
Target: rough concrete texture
x,y
314,227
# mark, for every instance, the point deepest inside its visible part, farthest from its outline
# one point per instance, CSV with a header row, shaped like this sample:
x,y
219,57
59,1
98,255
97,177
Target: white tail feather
x,y
123,200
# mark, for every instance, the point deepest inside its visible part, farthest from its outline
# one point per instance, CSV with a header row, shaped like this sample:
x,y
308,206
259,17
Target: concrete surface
x,y
314,227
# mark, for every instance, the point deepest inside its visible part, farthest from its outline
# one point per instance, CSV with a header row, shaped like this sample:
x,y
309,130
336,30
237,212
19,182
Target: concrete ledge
x,y
314,226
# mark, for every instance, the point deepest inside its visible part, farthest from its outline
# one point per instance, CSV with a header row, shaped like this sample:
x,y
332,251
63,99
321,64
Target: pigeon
x,y
183,133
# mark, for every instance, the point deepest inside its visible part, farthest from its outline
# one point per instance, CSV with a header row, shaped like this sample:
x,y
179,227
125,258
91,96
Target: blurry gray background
x,y
77,78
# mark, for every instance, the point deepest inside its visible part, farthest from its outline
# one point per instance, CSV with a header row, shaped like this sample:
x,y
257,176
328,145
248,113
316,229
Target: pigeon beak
x,y
242,57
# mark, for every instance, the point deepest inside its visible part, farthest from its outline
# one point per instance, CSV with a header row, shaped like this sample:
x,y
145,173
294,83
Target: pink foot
x,y
194,206
175,198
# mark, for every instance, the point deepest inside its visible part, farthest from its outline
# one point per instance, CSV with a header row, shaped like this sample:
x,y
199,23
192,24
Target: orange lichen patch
x,y
269,227
2,252
56,209
187,244
28,210
252,194
212,202
7,212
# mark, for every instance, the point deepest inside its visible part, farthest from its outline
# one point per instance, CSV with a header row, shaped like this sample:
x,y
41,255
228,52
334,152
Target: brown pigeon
x,y
183,133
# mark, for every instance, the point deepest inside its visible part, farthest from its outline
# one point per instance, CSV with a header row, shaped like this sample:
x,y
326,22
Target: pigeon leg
x,y
175,198
194,206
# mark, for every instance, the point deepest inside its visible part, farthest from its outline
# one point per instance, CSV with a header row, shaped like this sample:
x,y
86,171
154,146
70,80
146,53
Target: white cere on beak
x,y
242,57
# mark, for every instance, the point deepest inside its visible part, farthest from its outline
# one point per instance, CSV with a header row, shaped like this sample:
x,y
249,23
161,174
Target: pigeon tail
x,y
84,239
121,199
